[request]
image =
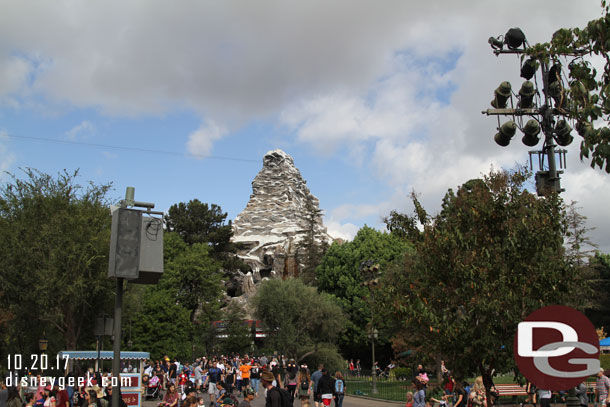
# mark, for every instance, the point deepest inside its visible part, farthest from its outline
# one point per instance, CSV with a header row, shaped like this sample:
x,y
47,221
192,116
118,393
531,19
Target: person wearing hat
x,y
274,398
602,388
49,397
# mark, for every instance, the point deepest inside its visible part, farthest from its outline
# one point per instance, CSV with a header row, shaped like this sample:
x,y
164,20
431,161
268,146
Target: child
x,y
442,402
409,399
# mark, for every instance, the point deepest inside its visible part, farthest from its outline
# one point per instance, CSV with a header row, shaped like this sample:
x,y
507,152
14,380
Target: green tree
x,y
311,251
600,304
238,335
54,239
296,316
493,254
339,274
161,326
190,288
197,222
193,277
585,98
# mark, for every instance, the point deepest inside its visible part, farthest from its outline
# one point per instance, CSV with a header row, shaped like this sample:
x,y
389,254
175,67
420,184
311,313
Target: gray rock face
x,y
276,219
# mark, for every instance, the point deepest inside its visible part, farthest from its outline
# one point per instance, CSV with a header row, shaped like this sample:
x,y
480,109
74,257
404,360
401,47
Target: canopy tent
x,y
131,383
604,344
104,355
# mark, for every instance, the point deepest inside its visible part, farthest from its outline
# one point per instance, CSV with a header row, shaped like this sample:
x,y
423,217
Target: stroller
x,y
153,388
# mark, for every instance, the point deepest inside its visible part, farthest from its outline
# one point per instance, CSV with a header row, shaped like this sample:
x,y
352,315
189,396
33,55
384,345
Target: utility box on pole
x,y
136,247
151,251
125,237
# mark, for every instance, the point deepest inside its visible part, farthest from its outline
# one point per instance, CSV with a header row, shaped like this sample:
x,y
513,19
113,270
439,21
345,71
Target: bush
x,y
403,373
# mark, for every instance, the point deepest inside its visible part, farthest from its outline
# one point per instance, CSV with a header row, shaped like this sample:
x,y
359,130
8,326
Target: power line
x,y
138,149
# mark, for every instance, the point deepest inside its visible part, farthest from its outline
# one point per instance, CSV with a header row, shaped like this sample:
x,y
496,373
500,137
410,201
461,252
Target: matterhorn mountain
x,y
280,214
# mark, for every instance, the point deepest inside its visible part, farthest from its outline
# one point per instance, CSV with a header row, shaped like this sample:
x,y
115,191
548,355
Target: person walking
x,y
460,396
315,378
419,397
602,387
13,399
326,388
255,377
581,393
339,389
305,386
274,398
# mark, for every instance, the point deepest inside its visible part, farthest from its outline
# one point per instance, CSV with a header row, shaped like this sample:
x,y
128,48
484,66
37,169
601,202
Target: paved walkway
x,y
349,401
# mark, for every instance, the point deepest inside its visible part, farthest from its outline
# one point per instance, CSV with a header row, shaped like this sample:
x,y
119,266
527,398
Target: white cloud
x,y
398,84
345,231
201,141
14,72
83,129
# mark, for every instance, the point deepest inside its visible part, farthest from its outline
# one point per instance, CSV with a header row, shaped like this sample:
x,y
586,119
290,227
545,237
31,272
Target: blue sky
x,y
373,100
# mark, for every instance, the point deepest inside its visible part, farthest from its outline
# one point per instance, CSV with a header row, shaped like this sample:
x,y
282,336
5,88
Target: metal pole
x,y
374,375
116,359
98,367
547,128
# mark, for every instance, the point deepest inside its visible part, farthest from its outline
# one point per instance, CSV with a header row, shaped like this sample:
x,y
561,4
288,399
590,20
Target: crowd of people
x,y
483,392
228,381
235,381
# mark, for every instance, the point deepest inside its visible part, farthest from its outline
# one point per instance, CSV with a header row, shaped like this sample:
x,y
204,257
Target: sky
x,y
181,100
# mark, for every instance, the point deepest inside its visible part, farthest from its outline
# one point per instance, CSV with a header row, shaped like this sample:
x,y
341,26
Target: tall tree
x,y
238,337
297,316
193,277
597,312
339,274
493,254
54,239
198,222
311,249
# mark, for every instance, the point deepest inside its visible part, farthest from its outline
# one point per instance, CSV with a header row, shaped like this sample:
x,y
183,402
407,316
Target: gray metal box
x,y
151,251
125,237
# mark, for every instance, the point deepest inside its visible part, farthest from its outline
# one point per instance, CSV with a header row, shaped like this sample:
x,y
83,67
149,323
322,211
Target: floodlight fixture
x,y
531,131
496,43
526,95
514,38
505,133
501,95
562,133
528,69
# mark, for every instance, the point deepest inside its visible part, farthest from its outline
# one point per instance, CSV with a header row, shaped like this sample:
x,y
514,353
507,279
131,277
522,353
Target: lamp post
x,y
542,111
373,333
43,344
370,272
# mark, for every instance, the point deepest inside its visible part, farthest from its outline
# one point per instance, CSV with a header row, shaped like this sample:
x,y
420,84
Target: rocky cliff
x,y
280,213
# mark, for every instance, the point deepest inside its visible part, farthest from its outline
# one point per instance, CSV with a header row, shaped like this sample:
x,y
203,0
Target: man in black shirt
x,y
274,398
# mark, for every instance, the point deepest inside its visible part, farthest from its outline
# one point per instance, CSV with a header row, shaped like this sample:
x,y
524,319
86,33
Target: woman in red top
x,y
171,397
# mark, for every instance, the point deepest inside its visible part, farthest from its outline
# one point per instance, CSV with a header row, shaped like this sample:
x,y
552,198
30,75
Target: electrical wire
x,y
137,149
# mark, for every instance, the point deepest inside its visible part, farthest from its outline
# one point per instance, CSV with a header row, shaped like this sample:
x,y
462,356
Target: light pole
x,y
43,344
370,273
373,333
542,111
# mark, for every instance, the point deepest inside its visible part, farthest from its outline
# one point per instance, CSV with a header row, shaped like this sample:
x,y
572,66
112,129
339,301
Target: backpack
x,y
339,386
285,397
304,384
